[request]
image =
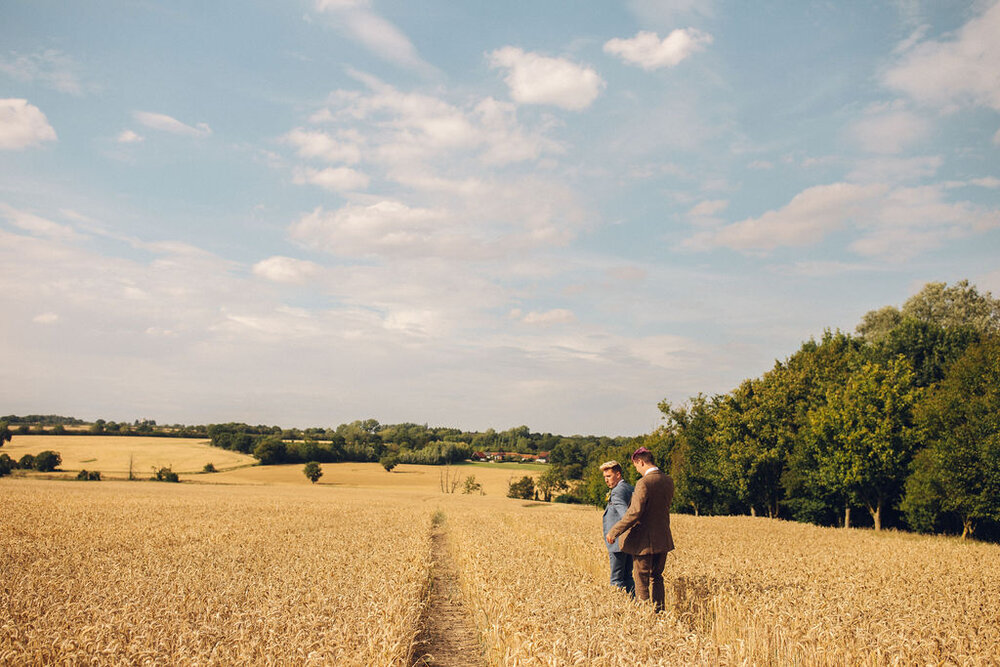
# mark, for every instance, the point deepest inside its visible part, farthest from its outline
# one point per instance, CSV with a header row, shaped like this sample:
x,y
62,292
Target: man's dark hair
x,y
645,457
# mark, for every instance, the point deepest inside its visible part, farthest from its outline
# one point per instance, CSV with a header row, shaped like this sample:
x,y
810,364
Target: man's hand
x,y
610,539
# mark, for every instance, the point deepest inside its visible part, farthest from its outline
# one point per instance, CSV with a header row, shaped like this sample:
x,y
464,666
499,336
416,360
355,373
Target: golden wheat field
x,y
119,572
147,573
112,455
494,479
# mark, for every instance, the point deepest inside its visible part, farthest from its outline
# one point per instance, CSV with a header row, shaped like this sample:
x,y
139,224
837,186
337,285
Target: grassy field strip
x,y
739,590
185,574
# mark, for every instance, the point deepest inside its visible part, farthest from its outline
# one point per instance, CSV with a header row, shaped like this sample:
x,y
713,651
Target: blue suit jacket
x,y
618,502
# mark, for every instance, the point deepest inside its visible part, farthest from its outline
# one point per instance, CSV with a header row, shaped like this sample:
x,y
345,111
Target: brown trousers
x,y
648,573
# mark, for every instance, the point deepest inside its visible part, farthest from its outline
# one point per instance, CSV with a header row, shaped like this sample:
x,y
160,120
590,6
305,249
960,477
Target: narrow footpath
x,y
448,637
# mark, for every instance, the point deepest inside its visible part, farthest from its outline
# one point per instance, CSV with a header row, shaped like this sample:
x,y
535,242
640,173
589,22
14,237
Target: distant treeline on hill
x,y
362,440
368,440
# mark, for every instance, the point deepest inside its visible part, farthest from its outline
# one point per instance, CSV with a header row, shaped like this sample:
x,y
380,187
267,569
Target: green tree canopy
x,y
959,472
864,436
313,471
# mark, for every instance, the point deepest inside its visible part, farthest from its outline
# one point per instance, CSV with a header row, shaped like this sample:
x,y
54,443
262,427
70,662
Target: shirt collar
x,y
651,469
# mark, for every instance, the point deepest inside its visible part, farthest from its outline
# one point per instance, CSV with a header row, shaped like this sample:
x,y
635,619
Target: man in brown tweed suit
x,y
645,528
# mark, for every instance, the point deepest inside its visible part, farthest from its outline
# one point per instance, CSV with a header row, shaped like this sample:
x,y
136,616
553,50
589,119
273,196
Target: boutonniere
x,y
607,497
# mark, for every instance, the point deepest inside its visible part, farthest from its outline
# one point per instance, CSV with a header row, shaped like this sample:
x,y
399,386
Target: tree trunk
x,y
968,527
847,516
876,513
753,511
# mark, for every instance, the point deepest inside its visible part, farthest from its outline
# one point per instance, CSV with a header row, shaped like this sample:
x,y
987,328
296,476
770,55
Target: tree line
x,y
897,425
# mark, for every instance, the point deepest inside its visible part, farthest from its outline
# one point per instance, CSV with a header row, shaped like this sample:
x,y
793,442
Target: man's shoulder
x,y
623,488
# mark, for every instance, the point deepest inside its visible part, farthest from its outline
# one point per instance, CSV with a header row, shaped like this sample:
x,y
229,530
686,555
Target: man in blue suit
x,y
617,500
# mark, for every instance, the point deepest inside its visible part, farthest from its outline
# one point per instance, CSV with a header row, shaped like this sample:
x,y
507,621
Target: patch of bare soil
x,y
448,637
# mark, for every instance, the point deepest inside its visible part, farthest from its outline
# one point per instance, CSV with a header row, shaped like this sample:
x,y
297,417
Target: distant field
x,y
187,456
494,478
110,455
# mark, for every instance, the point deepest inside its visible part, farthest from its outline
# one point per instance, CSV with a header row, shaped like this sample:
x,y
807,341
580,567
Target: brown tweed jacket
x,y
645,528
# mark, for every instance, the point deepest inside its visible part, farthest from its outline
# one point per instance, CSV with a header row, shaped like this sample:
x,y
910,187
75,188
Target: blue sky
x,y
473,214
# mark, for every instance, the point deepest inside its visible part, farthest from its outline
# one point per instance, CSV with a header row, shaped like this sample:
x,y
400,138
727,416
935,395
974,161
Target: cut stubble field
x,y
268,571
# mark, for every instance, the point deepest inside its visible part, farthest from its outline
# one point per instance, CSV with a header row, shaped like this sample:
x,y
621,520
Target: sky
x,y
473,214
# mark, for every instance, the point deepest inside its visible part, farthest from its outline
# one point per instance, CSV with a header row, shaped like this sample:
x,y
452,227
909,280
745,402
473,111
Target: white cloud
x,y
37,225
50,67
45,318
537,79
403,131
761,165
805,220
648,51
893,224
338,179
377,34
286,269
549,317
129,137
23,125
709,208
162,122
988,182
312,144
962,70
894,169
387,227
822,269
889,130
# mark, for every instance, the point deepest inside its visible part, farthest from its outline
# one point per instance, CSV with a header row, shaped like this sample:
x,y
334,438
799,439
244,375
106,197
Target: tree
x,y
876,324
389,461
959,472
6,465
958,305
551,482
313,471
47,461
865,437
5,434
270,451
685,442
524,488
929,346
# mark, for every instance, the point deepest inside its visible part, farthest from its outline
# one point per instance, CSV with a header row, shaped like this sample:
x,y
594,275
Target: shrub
x,y
6,465
47,461
524,488
472,486
89,476
27,462
209,467
165,475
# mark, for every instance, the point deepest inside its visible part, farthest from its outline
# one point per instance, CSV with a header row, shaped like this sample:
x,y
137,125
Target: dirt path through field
x,y
448,637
